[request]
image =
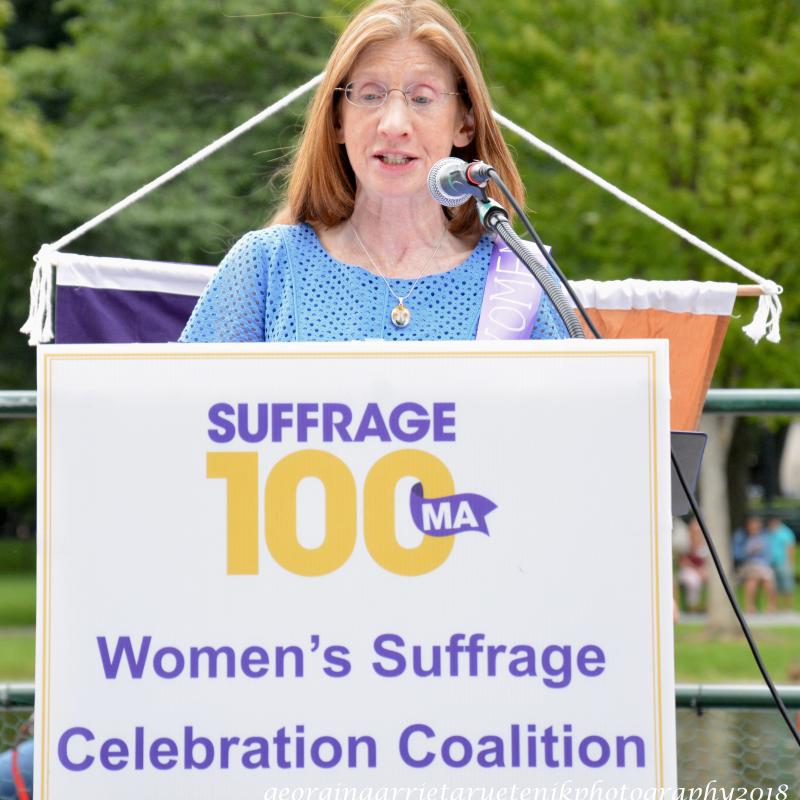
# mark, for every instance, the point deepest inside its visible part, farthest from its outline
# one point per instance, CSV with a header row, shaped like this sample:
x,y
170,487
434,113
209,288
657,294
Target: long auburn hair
x,y
322,186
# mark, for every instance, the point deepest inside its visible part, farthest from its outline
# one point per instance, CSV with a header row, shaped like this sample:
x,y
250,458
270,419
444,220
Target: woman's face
x,y
392,147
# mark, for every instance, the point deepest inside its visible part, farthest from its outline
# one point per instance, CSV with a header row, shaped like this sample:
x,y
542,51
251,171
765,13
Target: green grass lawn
x,y
699,660
17,599
16,655
17,618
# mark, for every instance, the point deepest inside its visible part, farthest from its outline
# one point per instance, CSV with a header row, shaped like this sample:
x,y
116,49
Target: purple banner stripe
x,y
114,316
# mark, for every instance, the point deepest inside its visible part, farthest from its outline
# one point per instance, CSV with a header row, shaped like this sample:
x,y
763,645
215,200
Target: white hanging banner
x,y
345,571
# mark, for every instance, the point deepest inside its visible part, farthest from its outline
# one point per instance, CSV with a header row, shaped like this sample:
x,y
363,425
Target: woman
x,y
361,250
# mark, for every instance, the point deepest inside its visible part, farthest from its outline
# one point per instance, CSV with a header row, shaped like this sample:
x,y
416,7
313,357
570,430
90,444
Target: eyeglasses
x,y
422,97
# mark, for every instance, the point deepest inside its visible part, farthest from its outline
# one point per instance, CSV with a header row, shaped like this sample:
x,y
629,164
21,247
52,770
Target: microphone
x,y
452,181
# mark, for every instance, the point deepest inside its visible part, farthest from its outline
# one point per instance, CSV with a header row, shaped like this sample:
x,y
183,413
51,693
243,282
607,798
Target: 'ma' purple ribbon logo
x,y
447,516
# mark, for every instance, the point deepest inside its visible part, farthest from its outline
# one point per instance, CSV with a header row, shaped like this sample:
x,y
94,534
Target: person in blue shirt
x,y
782,541
751,551
360,250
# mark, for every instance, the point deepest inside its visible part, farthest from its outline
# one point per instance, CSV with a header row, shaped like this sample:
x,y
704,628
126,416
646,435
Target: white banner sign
x,y
354,572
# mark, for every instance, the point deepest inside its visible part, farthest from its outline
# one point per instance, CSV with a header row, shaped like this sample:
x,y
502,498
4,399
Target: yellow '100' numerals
x,y
240,470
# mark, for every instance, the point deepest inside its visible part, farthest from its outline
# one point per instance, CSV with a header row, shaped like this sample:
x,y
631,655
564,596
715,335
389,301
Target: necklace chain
x,y
385,279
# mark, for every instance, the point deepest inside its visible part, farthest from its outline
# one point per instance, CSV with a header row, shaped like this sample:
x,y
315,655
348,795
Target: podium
x,y
353,568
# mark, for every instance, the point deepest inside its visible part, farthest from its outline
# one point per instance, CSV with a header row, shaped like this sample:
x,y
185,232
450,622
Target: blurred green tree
x,y
24,157
690,107
148,85
36,22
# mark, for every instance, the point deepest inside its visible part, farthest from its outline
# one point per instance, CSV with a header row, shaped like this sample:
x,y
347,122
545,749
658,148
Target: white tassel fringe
x,y
767,319
39,325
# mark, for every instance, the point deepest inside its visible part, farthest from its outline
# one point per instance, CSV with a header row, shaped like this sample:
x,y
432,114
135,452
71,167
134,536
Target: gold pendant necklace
x,y
400,314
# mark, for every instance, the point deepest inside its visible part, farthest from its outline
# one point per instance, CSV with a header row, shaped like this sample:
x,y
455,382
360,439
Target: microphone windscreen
x,y
440,170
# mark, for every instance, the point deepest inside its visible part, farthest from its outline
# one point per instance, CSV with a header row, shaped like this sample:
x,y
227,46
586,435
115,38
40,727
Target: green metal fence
x,y
22,403
16,404
16,712
735,736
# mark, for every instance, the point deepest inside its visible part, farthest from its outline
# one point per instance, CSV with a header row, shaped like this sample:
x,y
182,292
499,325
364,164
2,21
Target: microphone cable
x,y
684,483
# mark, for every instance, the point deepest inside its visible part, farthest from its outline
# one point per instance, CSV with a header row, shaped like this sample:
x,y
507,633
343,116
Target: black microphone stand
x,y
495,218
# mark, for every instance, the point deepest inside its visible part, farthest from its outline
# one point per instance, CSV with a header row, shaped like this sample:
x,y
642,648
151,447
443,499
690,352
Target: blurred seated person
x,y
692,571
360,249
752,552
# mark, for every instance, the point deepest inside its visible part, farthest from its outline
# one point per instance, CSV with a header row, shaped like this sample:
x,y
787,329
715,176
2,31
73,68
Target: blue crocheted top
x,y
279,284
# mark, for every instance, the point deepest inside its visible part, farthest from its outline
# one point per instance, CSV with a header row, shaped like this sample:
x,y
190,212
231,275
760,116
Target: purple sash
x,y
511,298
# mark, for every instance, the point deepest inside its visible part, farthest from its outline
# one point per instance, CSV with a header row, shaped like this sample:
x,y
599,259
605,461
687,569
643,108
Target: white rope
x,y
38,326
767,317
